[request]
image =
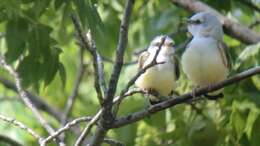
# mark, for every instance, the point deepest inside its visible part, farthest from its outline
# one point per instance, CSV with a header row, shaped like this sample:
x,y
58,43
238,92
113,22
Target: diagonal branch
x,y
68,126
36,100
140,72
122,43
232,28
113,142
21,126
88,128
72,97
24,96
171,102
107,116
90,46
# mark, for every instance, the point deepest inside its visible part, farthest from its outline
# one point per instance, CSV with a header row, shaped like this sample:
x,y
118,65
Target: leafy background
x,y
37,38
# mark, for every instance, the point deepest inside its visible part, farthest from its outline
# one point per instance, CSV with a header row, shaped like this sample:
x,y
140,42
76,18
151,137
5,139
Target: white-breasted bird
x,y
205,60
161,77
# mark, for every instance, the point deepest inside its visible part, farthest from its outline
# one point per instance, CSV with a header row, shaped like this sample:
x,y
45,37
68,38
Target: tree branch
x,y
232,28
171,102
107,116
90,46
122,43
130,92
36,100
140,72
113,142
72,97
20,125
24,96
88,128
66,127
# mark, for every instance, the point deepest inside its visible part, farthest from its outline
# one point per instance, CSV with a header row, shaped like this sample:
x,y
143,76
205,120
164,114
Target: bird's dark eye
x,y
170,44
197,21
194,22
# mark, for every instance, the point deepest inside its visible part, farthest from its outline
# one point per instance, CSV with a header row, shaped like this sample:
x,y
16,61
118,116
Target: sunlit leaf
x,y
247,54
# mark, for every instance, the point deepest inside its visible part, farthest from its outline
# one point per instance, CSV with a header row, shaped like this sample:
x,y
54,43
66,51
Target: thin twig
x,y
68,126
90,46
140,72
101,76
130,92
113,142
36,100
72,97
24,96
107,116
173,101
88,128
122,43
20,125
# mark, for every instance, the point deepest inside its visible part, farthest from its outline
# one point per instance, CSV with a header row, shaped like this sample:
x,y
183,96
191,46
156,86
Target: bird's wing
x,y
224,54
175,62
142,58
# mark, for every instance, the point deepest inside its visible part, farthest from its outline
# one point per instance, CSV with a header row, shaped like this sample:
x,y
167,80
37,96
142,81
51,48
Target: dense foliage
x,y
37,38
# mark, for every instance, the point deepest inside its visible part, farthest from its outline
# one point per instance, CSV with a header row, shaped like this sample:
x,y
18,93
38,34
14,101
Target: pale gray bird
x,y
162,77
205,60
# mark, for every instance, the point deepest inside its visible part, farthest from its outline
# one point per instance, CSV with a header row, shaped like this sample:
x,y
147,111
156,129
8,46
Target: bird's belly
x,y
160,78
204,67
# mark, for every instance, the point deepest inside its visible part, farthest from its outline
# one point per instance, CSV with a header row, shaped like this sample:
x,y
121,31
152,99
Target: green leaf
x,y
255,141
51,65
90,18
58,4
245,9
29,71
62,73
39,40
244,141
26,1
252,117
247,54
220,4
237,120
16,34
157,120
40,6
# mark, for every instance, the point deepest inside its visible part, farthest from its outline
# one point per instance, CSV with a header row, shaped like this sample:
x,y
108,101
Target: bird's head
x,y
167,46
205,24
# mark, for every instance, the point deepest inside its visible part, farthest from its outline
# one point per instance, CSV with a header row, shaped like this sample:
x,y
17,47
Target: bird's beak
x,y
189,21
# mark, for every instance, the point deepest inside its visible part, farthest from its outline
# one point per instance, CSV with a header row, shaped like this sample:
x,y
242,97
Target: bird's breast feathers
x,y
160,77
202,63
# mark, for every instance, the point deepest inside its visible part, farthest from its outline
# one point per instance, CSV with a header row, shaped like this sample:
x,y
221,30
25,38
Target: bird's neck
x,y
209,35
